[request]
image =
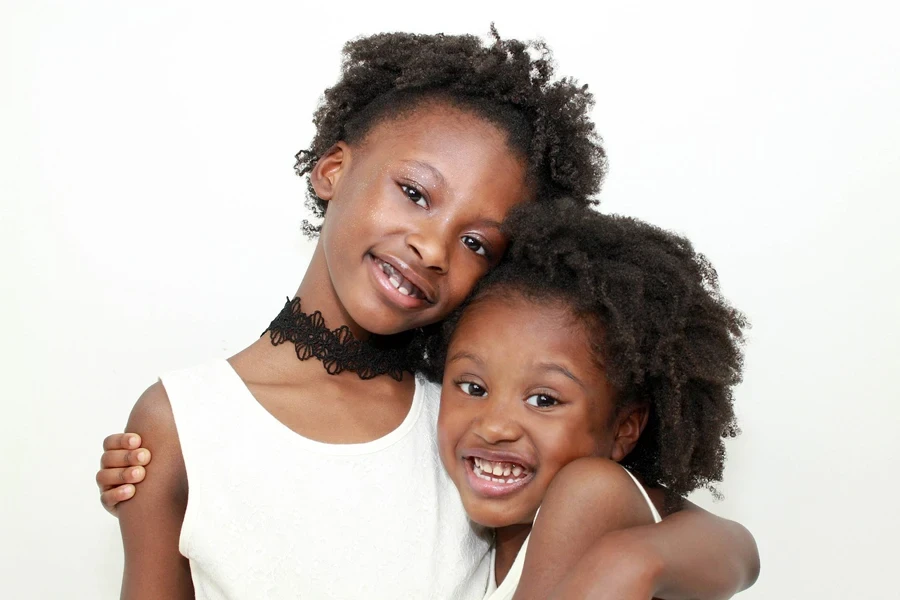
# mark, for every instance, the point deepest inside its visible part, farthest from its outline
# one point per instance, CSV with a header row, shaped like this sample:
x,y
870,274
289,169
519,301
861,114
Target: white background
x,y
151,219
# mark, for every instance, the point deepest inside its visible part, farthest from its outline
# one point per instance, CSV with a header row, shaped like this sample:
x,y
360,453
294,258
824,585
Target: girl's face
x,y
522,397
413,215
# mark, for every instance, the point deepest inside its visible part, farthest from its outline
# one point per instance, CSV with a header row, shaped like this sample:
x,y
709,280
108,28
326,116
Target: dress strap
x,y
656,517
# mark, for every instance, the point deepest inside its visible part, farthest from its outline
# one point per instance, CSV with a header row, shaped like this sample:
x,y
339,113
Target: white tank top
x,y
272,514
507,589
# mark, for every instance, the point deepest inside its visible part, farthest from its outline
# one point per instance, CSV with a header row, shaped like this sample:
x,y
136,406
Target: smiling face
x,y
413,215
523,395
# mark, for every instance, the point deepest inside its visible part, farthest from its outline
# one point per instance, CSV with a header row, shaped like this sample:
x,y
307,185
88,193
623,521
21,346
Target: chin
x,y
379,321
494,517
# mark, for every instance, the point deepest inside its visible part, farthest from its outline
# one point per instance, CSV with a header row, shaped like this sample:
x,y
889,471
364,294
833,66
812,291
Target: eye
x,y
472,389
474,244
541,401
415,195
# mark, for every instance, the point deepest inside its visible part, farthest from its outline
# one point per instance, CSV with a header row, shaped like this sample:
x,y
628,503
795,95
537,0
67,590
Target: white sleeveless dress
x,y
272,514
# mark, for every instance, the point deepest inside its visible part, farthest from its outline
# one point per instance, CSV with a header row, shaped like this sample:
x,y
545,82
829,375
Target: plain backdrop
x,y
150,219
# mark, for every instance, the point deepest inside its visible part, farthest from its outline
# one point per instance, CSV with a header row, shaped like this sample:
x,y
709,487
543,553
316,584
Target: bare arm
x,y
691,554
588,499
151,522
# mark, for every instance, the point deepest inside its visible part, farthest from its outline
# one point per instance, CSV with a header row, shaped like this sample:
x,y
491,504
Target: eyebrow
x,y
490,223
463,354
548,366
424,165
545,366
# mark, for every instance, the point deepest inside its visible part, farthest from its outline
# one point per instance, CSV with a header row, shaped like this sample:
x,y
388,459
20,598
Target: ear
x,y
631,423
329,169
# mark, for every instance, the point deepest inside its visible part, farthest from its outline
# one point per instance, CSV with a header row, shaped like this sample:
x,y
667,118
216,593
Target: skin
x,y
539,400
593,537
723,557
405,194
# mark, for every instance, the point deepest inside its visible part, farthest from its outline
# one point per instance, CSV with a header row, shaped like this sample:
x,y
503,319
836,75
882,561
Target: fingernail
x,y
132,441
127,490
142,456
135,473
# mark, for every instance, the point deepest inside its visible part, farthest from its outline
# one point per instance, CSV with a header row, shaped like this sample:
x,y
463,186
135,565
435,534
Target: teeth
x,y
400,283
498,472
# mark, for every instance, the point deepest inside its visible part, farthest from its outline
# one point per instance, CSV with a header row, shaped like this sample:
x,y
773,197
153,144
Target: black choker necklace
x,y
337,349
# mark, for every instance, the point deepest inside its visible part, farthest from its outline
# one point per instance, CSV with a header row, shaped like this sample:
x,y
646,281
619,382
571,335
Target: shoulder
x,y
588,499
152,416
153,420
596,489
152,407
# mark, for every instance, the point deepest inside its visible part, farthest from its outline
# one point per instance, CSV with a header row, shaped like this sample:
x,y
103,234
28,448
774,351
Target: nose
x,y
431,246
497,423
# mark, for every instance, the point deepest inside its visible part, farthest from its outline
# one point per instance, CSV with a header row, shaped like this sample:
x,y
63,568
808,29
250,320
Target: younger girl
x,y
593,331
276,477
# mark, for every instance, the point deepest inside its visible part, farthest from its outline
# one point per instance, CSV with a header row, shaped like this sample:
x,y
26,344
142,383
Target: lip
x,y
498,456
407,272
491,489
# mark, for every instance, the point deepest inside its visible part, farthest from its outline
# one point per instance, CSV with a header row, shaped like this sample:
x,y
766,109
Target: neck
x,y
318,294
280,363
508,541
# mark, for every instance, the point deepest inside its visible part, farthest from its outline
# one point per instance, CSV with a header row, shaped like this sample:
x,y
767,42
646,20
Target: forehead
x,y
470,152
432,122
518,331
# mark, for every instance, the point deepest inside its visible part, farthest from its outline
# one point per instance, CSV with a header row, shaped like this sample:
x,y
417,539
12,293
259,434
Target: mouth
x,y
397,282
496,479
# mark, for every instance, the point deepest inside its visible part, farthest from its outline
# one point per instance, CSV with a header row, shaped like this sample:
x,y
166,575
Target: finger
x,y
122,441
109,478
124,458
111,498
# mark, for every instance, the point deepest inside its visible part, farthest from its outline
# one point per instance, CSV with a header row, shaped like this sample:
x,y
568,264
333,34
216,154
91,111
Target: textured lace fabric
x,y
272,514
337,349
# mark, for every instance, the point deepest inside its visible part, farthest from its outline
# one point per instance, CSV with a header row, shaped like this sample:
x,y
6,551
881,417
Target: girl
x,y
593,330
421,149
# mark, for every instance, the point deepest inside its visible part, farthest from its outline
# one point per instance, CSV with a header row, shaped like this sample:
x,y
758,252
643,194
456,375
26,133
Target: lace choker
x,y
337,349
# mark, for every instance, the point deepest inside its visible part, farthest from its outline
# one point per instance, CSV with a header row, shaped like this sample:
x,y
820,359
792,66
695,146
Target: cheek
x,y
364,206
562,445
466,271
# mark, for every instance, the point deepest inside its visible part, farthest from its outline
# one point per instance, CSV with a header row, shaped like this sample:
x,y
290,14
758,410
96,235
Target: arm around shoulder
x,y
151,522
692,554
588,499
703,556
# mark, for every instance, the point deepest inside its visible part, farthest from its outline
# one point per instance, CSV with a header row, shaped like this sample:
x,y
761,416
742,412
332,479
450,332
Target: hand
x,y
121,466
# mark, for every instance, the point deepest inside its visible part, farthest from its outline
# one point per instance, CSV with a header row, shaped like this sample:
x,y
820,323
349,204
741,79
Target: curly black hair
x,y
662,329
510,83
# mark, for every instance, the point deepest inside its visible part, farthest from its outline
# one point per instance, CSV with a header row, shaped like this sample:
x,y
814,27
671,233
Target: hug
x,y
483,388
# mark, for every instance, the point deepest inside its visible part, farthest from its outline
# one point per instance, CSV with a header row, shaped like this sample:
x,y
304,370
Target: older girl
x,y
306,463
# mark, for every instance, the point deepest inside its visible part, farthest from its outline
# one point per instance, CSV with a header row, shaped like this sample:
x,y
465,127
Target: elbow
x,y
742,570
751,571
